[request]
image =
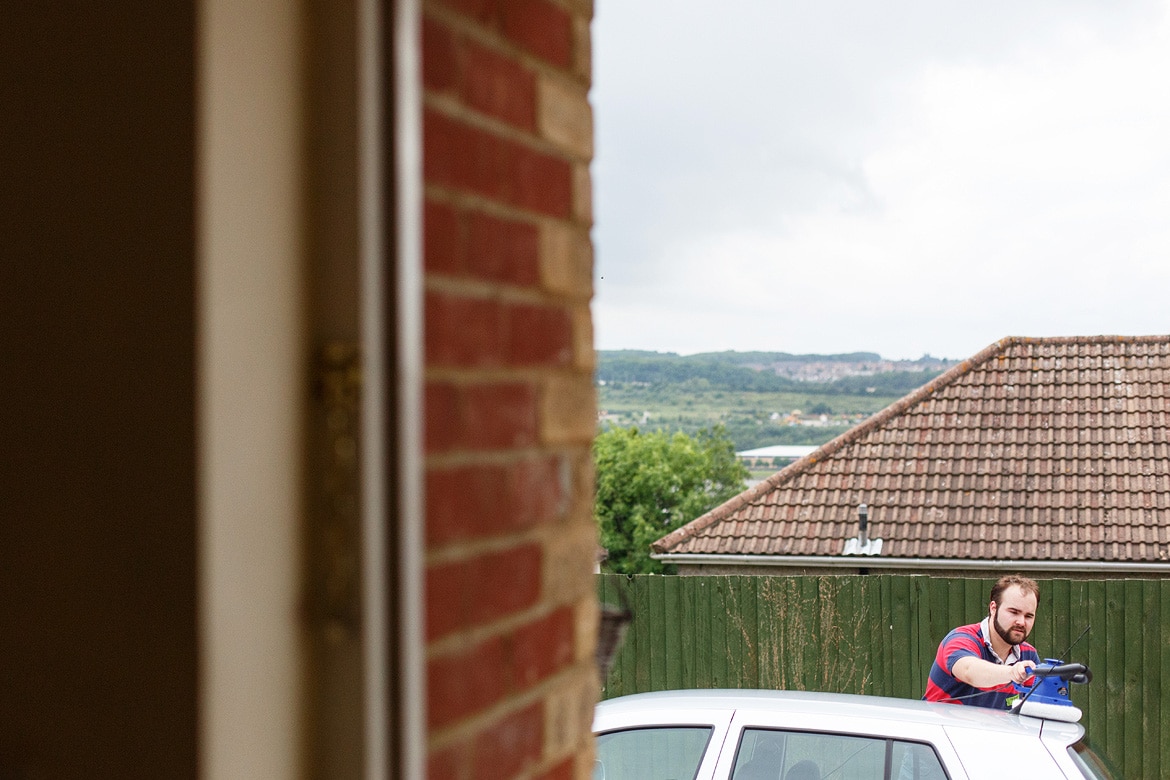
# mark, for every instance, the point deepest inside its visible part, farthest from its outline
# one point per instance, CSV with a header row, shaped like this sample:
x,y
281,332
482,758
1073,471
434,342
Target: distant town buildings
x,y
830,370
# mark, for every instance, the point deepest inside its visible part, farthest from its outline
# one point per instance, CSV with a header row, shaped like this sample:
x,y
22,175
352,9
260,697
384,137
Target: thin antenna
x,y
1075,641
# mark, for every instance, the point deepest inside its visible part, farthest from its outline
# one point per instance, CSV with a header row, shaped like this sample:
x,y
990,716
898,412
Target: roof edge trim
x,y
855,562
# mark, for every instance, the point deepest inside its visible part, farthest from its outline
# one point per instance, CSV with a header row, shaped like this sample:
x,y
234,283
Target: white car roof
x,y
878,707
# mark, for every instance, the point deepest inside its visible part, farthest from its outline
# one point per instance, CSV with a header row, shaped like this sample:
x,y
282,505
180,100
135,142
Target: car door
x,y
990,755
660,744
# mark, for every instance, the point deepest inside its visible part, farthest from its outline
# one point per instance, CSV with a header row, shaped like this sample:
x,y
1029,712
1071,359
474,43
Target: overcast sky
x,y
903,177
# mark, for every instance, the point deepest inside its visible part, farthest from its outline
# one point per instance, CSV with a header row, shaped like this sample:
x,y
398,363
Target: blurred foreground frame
x,y
611,631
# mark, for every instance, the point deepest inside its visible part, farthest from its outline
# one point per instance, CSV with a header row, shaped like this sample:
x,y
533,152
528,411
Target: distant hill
x,y
744,358
849,373
760,398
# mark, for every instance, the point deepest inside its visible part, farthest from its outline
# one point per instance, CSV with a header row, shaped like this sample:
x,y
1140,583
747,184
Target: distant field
x,y
753,419
760,398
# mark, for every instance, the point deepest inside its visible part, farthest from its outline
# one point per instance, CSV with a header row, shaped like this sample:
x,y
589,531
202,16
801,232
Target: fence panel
x,y
878,634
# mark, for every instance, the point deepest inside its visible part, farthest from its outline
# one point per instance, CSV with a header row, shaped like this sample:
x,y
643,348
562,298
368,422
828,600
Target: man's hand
x,y
1020,671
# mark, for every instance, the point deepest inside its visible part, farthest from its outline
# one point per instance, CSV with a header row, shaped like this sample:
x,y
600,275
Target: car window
x,y
771,754
659,753
915,761
766,754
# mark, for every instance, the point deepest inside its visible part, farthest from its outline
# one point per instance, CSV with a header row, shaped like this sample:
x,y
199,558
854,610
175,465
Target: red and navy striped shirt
x,y
971,641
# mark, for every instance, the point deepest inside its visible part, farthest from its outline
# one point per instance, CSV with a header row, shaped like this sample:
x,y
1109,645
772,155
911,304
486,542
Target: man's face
x,y
1014,615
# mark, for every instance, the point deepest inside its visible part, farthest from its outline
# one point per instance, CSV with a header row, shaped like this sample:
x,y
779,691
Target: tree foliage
x,y
650,483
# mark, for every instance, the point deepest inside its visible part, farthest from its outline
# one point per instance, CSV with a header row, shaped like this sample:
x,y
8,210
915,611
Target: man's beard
x,y
1006,633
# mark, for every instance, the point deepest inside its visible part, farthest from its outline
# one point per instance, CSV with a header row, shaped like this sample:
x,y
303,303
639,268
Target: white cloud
x,y
1021,189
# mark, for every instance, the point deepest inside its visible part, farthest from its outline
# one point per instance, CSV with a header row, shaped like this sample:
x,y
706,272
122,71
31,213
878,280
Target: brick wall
x,y
510,407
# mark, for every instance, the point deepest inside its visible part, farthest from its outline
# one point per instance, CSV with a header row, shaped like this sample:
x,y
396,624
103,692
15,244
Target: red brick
x,y
505,583
542,183
449,494
443,240
539,27
507,498
442,416
539,335
482,79
500,416
446,599
480,246
465,332
562,771
483,11
511,745
463,684
480,417
470,593
475,333
442,68
543,648
503,250
472,160
500,87
451,763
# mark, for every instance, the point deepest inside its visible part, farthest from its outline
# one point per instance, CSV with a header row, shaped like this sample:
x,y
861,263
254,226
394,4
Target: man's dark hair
x,y
1023,583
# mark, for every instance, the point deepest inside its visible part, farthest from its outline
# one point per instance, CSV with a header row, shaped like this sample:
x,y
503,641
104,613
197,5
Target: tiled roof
x,y
1034,449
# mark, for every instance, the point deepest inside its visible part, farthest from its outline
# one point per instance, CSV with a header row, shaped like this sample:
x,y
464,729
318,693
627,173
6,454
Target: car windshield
x,y
662,751
1091,764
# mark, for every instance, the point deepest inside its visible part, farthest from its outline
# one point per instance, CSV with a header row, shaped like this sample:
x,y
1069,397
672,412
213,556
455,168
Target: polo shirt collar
x,y
985,635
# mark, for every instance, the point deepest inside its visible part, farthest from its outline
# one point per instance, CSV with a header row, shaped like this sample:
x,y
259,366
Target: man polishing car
x,y
978,664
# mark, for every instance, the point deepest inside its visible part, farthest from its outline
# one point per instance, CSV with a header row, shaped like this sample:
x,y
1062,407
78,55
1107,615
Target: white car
x,y
794,735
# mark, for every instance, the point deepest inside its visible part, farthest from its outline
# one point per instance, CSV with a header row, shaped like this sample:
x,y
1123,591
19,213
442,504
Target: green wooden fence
x,y
878,634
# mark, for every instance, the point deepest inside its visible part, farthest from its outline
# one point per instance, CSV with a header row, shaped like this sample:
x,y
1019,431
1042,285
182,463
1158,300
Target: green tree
x,y
649,484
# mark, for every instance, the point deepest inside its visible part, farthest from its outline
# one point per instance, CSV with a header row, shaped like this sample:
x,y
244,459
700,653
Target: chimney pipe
x,y
862,526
